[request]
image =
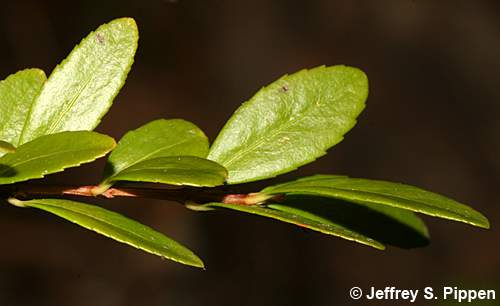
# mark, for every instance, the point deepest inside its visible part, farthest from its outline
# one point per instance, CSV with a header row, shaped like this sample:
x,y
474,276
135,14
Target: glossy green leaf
x,y
175,170
6,147
117,227
17,93
81,89
383,193
159,138
303,219
290,123
53,153
388,225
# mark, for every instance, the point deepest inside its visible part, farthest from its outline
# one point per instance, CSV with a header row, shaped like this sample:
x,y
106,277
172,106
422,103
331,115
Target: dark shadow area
x,y
109,169
7,171
361,219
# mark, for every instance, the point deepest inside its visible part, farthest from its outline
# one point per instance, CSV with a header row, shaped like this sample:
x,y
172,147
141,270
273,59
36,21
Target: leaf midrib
x,y
162,168
61,115
48,155
134,234
263,136
147,156
96,218
69,105
82,88
339,230
393,197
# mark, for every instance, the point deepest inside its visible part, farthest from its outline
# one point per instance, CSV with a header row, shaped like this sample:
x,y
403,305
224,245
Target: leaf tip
x,y
359,78
127,22
112,143
483,222
199,264
36,72
193,261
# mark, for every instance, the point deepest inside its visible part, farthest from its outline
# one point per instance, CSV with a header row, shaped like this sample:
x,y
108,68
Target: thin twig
x,y
181,194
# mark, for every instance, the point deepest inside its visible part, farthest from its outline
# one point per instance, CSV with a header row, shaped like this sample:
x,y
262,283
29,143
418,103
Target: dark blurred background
x,y
431,121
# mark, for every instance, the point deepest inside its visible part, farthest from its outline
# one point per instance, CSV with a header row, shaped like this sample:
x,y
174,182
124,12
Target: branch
x,y
180,194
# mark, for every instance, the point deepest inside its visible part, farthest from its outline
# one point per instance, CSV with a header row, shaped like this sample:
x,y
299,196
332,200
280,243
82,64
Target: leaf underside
x,y
117,227
159,138
164,151
364,191
290,123
368,224
387,225
81,89
175,170
303,220
53,153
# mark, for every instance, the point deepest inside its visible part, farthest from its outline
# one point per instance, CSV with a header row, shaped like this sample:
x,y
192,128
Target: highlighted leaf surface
x,y
53,153
81,89
117,227
17,94
160,139
290,123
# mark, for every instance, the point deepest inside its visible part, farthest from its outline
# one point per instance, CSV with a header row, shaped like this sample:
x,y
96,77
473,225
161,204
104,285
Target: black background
x,y
431,120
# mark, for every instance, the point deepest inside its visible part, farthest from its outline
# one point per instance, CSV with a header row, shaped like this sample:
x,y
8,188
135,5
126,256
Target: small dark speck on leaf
x,y
100,38
284,88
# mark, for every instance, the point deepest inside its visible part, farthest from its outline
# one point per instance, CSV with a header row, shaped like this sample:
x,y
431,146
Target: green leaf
x,y
175,170
303,219
290,123
385,224
159,138
6,147
117,227
383,193
53,153
17,93
81,89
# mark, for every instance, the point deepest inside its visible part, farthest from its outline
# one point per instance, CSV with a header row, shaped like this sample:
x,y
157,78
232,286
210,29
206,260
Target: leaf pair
x,y
366,211
81,89
164,151
74,98
372,192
